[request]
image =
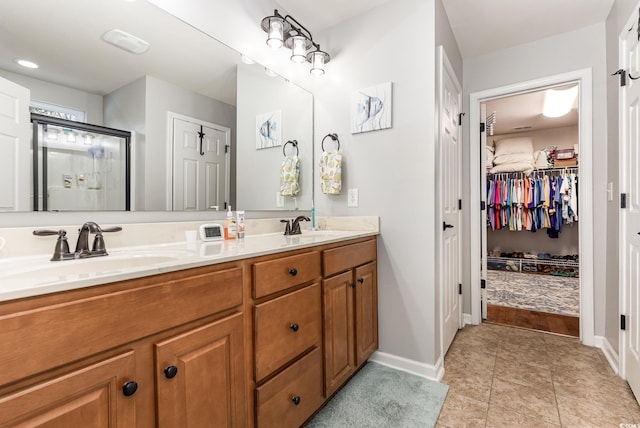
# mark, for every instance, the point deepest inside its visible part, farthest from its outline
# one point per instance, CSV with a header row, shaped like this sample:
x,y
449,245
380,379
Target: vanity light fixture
x,y
287,31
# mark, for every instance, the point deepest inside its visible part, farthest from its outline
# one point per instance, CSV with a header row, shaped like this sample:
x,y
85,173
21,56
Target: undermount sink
x,y
31,269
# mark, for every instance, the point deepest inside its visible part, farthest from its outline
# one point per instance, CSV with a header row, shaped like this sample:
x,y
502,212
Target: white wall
x,y
583,48
259,177
394,168
60,95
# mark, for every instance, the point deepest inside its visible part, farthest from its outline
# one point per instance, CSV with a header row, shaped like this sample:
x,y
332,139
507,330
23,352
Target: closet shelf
x,y
558,267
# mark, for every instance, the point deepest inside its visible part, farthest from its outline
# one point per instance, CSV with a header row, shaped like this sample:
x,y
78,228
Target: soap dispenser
x,y
230,228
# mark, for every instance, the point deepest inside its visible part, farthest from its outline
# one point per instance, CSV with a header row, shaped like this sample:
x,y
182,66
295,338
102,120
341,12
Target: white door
x,y
15,146
483,214
200,166
630,216
450,194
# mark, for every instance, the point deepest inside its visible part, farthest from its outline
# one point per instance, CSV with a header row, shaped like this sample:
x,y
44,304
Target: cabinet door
x,y
200,377
88,397
339,349
366,311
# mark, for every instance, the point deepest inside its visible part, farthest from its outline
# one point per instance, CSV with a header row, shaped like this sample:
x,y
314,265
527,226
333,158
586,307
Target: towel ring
x,y
334,137
292,142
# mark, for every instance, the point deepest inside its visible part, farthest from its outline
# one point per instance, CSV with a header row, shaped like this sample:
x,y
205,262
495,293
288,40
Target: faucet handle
x,y
111,229
98,242
287,228
61,250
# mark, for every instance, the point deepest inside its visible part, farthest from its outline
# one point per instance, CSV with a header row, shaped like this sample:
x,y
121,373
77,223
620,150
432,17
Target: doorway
x,y
532,219
478,238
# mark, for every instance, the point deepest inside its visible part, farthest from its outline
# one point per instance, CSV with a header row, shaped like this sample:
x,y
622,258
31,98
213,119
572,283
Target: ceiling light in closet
x,y
557,103
26,63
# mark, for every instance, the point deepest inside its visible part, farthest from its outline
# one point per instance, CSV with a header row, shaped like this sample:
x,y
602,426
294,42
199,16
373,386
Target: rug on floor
x,y
379,396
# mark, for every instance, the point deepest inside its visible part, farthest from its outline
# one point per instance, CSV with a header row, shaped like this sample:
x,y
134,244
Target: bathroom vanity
x,y
258,335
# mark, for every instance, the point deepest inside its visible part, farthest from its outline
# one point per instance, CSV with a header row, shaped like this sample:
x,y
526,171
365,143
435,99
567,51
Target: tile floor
x,y
509,377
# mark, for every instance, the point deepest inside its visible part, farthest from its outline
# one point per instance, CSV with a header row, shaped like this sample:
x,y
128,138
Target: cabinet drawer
x,y
301,383
276,275
64,332
285,327
343,258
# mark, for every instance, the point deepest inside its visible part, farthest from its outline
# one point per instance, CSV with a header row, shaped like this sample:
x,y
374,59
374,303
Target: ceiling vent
x,y
126,41
522,128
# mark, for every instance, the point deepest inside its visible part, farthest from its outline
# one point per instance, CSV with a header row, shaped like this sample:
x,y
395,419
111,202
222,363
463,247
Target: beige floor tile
x,y
526,355
597,390
583,413
461,411
475,387
511,370
531,402
499,417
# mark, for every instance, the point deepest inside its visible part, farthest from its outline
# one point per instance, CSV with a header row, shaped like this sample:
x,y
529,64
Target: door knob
x,y
446,226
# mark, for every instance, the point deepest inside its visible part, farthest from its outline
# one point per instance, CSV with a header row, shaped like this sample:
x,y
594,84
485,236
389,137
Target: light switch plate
x,y
353,198
279,200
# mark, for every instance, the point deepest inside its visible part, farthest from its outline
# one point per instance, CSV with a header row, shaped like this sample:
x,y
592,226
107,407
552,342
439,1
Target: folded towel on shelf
x,y
289,176
331,172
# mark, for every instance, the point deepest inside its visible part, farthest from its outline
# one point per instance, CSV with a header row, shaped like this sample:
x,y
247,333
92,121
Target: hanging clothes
x,y
544,200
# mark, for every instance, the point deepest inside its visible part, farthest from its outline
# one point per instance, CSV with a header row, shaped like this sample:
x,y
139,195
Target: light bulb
x,y
317,64
276,38
299,49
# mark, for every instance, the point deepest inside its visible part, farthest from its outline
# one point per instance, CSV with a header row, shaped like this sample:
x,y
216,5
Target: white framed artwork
x,y
269,130
371,108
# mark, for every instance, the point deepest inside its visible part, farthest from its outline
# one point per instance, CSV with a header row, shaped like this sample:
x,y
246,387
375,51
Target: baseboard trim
x,y
428,371
466,319
610,354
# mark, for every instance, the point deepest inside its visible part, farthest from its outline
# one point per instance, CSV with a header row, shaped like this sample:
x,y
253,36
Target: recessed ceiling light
x,y
26,63
126,41
246,59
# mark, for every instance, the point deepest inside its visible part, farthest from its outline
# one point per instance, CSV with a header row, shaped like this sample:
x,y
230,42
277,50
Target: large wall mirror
x,y
207,130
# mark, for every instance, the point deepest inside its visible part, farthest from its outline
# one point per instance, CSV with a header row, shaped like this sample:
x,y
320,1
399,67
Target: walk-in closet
x,y
532,211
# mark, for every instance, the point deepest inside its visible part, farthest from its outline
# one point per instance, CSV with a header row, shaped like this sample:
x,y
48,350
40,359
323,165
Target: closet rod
x,y
571,169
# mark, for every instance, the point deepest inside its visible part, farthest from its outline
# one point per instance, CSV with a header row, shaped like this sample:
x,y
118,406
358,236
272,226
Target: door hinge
x,y
482,127
459,288
483,283
459,204
623,200
623,322
460,118
623,77
483,205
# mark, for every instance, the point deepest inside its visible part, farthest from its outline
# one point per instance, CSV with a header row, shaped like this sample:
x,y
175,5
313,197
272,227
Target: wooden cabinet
x,y
86,357
257,342
350,309
200,376
90,396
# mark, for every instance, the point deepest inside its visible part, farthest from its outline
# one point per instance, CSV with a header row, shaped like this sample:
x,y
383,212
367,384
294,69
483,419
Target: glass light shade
x,y
275,39
298,49
557,103
317,63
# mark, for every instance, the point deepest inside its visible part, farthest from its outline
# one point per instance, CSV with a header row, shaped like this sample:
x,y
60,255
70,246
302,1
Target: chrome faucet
x,y
62,252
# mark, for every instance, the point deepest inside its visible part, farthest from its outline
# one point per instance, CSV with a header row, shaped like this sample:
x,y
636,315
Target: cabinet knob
x,y
352,284
361,280
129,388
293,271
296,400
170,372
294,326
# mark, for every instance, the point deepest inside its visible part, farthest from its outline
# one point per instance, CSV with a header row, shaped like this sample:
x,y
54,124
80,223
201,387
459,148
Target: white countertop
x,y
36,275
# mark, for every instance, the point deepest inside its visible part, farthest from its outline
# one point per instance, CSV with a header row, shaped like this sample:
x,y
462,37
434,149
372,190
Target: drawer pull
x,y
293,271
129,388
361,280
170,372
296,400
294,326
